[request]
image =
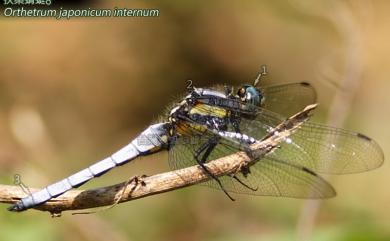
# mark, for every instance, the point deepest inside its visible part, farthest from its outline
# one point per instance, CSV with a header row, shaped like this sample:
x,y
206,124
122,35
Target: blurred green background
x,y
72,92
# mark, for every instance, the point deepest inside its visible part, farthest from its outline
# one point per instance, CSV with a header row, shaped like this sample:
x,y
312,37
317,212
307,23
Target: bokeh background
x,y
72,92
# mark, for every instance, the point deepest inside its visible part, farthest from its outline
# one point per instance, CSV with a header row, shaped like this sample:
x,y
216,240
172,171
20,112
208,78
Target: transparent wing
x,y
285,99
331,150
318,147
288,99
271,177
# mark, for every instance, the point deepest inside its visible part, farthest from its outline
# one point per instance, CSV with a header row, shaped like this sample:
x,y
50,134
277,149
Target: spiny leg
x,y
209,147
201,149
244,184
137,180
244,169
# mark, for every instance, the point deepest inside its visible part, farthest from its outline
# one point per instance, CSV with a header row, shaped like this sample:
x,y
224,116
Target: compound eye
x,y
241,92
248,96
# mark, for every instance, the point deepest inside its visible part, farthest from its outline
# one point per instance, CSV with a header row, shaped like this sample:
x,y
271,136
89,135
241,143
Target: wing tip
x,y
309,86
376,148
327,190
360,135
304,83
332,192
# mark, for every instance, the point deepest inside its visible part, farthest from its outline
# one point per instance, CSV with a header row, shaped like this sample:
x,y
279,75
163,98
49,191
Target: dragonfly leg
x,y
136,180
244,184
208,147
202,149
244,169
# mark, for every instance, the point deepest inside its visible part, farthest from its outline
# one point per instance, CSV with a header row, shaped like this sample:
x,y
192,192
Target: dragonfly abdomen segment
x,y
238,136
66,184
152,140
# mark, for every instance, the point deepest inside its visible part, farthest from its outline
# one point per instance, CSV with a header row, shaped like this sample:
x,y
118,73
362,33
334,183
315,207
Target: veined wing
x,y
331,150
288,99
318,147
285,99
274,177
270,176
321,148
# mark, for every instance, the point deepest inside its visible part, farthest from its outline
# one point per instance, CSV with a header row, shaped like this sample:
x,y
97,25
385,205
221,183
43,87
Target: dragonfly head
x,y
251,95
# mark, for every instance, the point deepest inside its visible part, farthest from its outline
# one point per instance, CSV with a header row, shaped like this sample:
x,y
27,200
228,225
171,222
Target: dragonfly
x,y
209,123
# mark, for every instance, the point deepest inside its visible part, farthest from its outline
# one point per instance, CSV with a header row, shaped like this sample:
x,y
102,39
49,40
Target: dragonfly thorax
x,y
198,114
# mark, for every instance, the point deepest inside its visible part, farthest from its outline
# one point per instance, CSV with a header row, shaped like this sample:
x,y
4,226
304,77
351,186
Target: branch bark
x,y
127,191
164,182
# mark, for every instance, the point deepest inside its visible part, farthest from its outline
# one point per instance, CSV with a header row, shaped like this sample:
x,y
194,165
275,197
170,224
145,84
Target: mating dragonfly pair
x,y
215,122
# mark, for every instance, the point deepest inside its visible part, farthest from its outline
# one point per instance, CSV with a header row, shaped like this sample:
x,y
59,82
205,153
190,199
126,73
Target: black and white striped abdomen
x,y
242,138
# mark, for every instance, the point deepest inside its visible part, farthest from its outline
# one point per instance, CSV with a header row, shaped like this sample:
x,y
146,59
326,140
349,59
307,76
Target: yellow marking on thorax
x,y
188,128
208,110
